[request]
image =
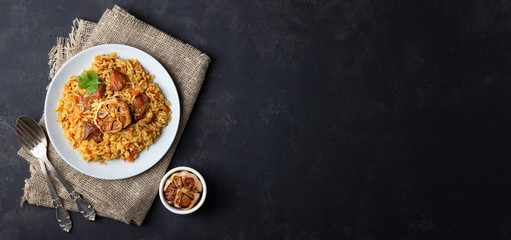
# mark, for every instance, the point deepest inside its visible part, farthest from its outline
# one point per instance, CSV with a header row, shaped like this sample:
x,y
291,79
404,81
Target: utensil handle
x,y
61,213
83,206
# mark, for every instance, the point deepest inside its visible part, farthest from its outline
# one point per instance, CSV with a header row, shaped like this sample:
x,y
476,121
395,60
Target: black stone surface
x,y
317,120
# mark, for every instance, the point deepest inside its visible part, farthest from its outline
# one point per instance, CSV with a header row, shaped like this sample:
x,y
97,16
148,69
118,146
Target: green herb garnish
x,y
89,81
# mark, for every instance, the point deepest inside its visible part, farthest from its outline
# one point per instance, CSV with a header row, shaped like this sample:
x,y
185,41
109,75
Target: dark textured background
x,y
317,120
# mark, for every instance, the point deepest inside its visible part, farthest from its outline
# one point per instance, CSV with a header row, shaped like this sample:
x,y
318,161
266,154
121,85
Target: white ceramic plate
x,y
114,169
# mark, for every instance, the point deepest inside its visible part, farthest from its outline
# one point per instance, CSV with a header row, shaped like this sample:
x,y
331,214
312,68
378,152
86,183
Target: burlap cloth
x,y
127,200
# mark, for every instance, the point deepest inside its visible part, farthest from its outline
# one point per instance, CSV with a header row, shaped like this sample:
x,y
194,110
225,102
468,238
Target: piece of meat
x,y
99,92
87,100
117,81
92,132
140,105
140,113
140,99
88,129
97,136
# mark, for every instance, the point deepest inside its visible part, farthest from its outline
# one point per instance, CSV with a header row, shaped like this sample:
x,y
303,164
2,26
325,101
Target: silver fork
x,y
33,140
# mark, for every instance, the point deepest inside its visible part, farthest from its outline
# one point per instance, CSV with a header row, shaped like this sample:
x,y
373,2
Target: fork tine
x,y
24,125
29,132
26,136
23,141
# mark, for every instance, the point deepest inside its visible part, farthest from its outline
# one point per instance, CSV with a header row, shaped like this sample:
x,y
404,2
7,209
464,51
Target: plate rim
x,y
176,117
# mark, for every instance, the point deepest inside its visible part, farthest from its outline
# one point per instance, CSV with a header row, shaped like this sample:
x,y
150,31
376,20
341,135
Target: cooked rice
x,y
128,142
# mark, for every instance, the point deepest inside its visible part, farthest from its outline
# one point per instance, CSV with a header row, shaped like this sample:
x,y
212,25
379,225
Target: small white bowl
x,y
202,195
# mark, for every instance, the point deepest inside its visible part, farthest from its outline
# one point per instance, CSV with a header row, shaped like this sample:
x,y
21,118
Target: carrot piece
x,y
138,66
77,110
132,155
134,92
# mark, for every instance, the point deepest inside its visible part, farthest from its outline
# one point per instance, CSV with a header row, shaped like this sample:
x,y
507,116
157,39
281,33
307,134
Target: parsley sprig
x,y
89,81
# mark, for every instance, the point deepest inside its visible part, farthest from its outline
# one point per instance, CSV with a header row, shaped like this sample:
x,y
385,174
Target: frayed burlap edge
x,y
65,47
